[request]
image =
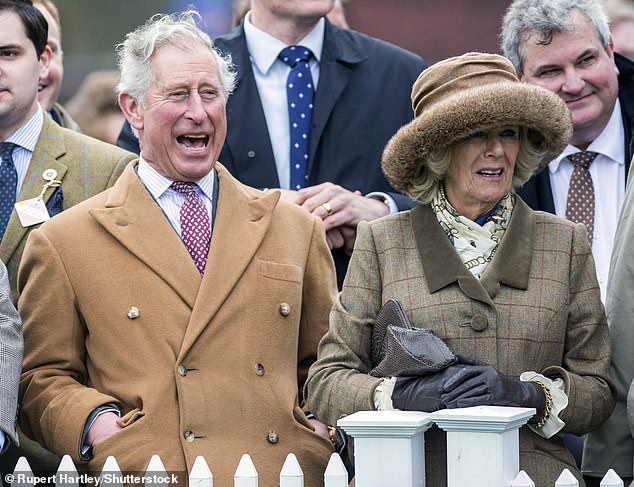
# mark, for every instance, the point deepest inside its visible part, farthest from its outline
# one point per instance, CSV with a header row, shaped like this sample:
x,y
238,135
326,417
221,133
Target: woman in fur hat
x,y
512,292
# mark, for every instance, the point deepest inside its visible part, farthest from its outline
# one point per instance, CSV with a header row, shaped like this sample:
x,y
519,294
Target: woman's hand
x,y
483,385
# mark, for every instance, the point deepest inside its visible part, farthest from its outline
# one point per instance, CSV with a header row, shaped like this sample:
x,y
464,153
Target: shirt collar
x,y
264,48
29,133
609,143
157,184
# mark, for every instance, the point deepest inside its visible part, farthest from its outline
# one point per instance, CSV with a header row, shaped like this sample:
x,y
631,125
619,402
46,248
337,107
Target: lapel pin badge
x,y
49,174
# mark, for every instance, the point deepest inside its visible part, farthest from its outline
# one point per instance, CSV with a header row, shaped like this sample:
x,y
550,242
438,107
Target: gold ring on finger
x,y
328,208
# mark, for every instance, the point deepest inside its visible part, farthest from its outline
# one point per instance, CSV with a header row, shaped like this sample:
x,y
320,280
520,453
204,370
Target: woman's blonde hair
x,y
424,186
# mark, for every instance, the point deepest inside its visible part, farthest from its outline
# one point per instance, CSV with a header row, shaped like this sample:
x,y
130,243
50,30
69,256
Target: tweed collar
x,y
442,266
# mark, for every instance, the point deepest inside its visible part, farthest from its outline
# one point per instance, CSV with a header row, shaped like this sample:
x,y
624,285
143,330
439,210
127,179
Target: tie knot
x,y
184,187
291,55
6,150
583,158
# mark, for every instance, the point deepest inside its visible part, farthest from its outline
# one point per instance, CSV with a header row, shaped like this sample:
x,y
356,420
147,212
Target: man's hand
x,y
320,428
104,427
337,206
291,196
343,236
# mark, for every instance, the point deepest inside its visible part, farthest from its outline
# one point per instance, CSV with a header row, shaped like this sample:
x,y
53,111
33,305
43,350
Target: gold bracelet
x,y
549,404
332,433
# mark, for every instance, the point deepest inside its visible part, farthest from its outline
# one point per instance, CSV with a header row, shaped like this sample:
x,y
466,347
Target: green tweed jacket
x,y
537,307
84,165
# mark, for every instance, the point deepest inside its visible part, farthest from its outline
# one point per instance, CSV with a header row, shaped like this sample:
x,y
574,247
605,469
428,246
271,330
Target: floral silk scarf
x,y
476,244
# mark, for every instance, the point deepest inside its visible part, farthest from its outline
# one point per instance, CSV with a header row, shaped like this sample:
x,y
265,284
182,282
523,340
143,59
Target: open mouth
x,y
490,172
193,142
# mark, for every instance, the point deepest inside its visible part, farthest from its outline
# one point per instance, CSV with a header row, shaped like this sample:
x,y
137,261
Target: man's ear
x,y
45,61
132,110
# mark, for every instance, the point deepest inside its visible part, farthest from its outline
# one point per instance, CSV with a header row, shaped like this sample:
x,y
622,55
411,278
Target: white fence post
x,y
111,475
389,447
246,475
66,475
200,475
155,474
482,444
611,479
22,474
566,479
522,480
336,474
291,474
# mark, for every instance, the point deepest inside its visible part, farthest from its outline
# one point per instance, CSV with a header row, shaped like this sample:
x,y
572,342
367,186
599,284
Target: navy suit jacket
x,y
362,99
538,193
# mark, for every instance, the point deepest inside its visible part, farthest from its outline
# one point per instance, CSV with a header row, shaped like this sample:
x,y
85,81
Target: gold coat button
x,y
182,370
133,312
285,309
259,369
189,436
272,437
479,323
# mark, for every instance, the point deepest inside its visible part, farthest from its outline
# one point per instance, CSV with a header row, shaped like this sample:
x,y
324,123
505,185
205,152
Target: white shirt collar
x,y
609,143
29,133
264,48
157,184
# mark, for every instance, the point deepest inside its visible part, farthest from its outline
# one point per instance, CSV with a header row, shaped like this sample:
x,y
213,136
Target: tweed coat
x,y
11,348
210,367
537,307
84,165
616,435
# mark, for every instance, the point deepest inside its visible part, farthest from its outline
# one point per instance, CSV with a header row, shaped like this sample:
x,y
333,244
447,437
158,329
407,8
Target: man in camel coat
x,y
188,307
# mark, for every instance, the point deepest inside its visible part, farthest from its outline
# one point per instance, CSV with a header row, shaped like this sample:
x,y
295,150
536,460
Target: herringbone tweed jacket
x,y
537,307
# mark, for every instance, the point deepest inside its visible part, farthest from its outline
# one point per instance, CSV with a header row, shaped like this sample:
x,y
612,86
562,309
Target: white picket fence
x,y
482,451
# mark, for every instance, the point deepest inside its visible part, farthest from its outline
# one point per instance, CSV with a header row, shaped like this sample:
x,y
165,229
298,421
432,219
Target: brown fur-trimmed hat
x,y
470,93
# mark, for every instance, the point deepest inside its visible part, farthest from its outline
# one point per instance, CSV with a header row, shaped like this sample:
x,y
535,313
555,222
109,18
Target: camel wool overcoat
x,y
207,366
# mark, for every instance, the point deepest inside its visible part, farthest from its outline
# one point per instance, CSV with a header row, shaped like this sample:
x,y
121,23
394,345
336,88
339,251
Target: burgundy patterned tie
x,y
580,202
195,228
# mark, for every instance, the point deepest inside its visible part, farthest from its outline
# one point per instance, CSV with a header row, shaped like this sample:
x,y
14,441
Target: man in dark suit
x,y
362,98
566,46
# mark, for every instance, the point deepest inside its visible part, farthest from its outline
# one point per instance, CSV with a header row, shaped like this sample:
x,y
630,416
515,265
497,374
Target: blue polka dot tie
x,y
195,227
580,201
8,184
300,93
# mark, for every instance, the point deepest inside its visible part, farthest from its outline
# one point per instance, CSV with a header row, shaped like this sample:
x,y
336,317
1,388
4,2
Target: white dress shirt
x,y
171,200
608,176
26,138
270,78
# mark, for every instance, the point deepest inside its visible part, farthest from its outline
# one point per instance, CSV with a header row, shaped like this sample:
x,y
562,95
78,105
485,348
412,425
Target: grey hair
x,y
134,55
547,17
434,169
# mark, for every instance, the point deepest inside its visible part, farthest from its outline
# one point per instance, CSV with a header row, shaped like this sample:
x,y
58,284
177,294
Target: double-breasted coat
x,y
537,307
205,366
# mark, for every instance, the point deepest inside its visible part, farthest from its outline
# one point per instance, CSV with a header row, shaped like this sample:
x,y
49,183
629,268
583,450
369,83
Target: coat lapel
x,y
339,58
512,262
134,219
442,266
240,226
48,154
441,263
247,136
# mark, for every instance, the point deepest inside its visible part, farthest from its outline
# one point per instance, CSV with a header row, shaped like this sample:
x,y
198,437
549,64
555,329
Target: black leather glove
x,y
483,385
422,392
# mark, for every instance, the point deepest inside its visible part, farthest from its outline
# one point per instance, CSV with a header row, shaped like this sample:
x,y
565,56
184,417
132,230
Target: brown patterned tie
x,y
580,202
